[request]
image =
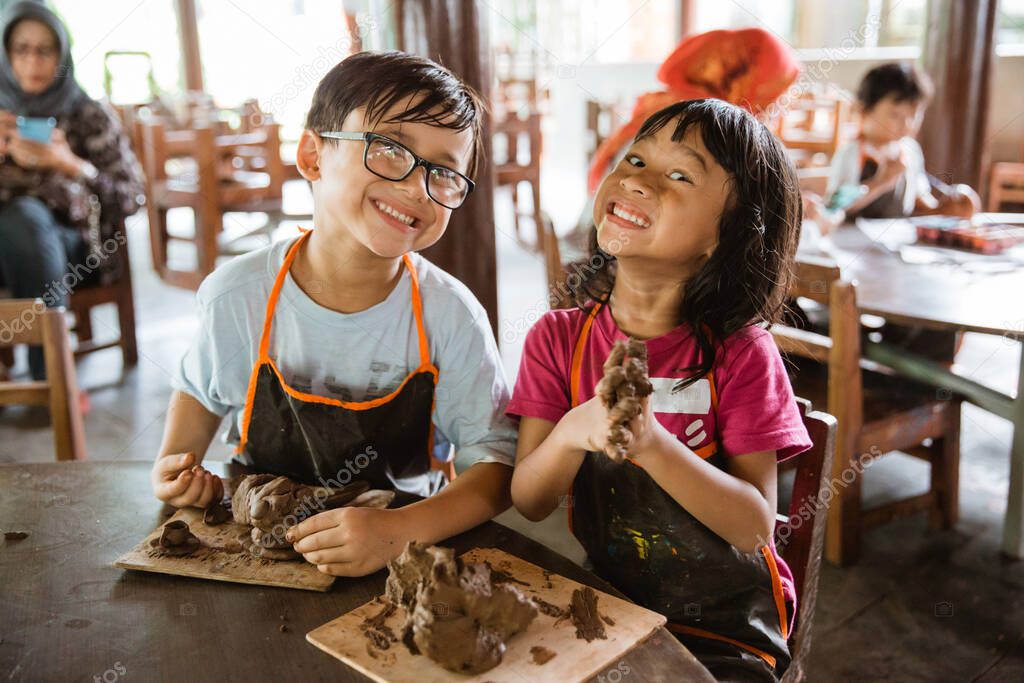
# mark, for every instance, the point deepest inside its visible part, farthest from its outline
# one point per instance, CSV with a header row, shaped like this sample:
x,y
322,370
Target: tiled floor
x,y
919,605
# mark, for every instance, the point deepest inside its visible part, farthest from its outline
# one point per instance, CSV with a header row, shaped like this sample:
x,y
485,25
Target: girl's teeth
x,y
629,217
397,214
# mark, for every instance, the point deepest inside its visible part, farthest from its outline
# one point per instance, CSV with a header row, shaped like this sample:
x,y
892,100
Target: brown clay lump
x,y
624,385
585,616
176,539
216,514
272,504
455,613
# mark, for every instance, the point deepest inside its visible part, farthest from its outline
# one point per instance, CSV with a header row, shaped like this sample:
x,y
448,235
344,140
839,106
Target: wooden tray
x,y
576,659
220,565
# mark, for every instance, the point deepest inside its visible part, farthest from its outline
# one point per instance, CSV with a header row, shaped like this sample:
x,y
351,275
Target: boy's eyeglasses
x,y
392,160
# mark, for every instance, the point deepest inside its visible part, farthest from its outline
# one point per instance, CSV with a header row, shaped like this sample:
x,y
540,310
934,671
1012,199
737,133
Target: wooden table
x,y
68,614
940,297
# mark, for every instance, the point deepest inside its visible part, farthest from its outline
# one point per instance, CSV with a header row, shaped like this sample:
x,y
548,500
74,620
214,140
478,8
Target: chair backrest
x,y
24,321
814,123
514,131
603,119
820,281
801,539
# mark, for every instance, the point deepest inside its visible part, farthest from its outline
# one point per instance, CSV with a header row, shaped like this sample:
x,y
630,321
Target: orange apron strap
x,y
268,319
700,633
417,309
577,357
574,380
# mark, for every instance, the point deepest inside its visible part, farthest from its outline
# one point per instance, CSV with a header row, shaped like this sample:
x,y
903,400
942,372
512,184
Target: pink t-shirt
x,y
756,408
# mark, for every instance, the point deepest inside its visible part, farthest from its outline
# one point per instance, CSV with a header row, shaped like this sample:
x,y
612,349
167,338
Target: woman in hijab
x,y
63,200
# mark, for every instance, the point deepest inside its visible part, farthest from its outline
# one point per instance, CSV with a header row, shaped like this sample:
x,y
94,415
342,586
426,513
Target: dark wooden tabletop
x,y
934,296
67,614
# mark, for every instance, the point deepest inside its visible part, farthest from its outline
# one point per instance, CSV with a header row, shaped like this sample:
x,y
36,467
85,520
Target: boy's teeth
x,y
394,212
622,213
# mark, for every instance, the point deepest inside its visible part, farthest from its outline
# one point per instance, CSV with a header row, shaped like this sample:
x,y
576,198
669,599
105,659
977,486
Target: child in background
x,y
343,355
881,174
696,229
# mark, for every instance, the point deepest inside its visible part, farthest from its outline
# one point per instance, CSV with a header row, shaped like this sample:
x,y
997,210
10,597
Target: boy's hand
x,y
350,541
178,481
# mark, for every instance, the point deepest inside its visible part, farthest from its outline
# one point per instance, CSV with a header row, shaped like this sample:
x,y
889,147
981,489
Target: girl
x,y
695,232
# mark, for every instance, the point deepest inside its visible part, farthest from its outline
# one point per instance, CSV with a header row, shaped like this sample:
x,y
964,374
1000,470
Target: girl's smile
x,y
627,215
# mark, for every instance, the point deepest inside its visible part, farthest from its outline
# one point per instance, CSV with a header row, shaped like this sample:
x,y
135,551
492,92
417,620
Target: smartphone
x,y
36,129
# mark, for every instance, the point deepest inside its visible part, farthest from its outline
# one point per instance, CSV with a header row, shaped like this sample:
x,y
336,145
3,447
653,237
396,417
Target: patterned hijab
x,y
64,93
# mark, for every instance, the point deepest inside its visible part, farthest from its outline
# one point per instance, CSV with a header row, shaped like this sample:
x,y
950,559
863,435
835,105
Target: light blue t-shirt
x,y
353,356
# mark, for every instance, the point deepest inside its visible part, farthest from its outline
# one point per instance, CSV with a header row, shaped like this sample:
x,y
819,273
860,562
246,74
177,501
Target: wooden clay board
x,y
576,659
220,565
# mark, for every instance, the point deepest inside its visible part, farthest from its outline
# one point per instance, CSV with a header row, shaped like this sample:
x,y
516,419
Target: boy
x,y
881,174
326,350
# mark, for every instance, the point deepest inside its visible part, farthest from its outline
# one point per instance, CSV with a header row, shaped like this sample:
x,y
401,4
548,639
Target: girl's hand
x,y
178,481
55,155
351,541
587,425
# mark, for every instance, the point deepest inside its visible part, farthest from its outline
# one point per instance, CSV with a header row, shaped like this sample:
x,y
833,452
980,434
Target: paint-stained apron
x,y
644,543
321,440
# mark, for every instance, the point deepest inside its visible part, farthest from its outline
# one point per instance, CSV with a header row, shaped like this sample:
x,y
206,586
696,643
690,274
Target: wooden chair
x,y
24,321
603,119
85,298
514,170
239,172
877,413
812,127
1006,185
801,537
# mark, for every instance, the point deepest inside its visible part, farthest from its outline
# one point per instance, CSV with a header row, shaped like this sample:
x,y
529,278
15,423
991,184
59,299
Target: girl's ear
x,y
307,157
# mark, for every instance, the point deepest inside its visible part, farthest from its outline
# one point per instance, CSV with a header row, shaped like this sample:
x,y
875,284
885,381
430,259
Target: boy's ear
x,y
307,157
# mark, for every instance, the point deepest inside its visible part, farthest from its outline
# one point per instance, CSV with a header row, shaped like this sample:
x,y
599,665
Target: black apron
x,y
328,442
643,542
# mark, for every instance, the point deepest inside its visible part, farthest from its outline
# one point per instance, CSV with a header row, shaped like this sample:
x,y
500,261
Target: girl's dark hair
x,y
745,279
381,80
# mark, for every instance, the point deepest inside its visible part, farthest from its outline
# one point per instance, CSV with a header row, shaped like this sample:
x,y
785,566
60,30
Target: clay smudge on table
x,y
548,609
377,632
15,535
499,576
456,614
585,616
541,655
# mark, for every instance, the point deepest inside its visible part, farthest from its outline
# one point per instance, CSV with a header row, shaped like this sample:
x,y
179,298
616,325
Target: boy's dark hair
x,y
380,80
904,82
745,279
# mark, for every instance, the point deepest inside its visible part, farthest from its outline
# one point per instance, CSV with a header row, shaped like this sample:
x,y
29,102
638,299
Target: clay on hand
x,y
273,504
456,613
176,539
622,389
